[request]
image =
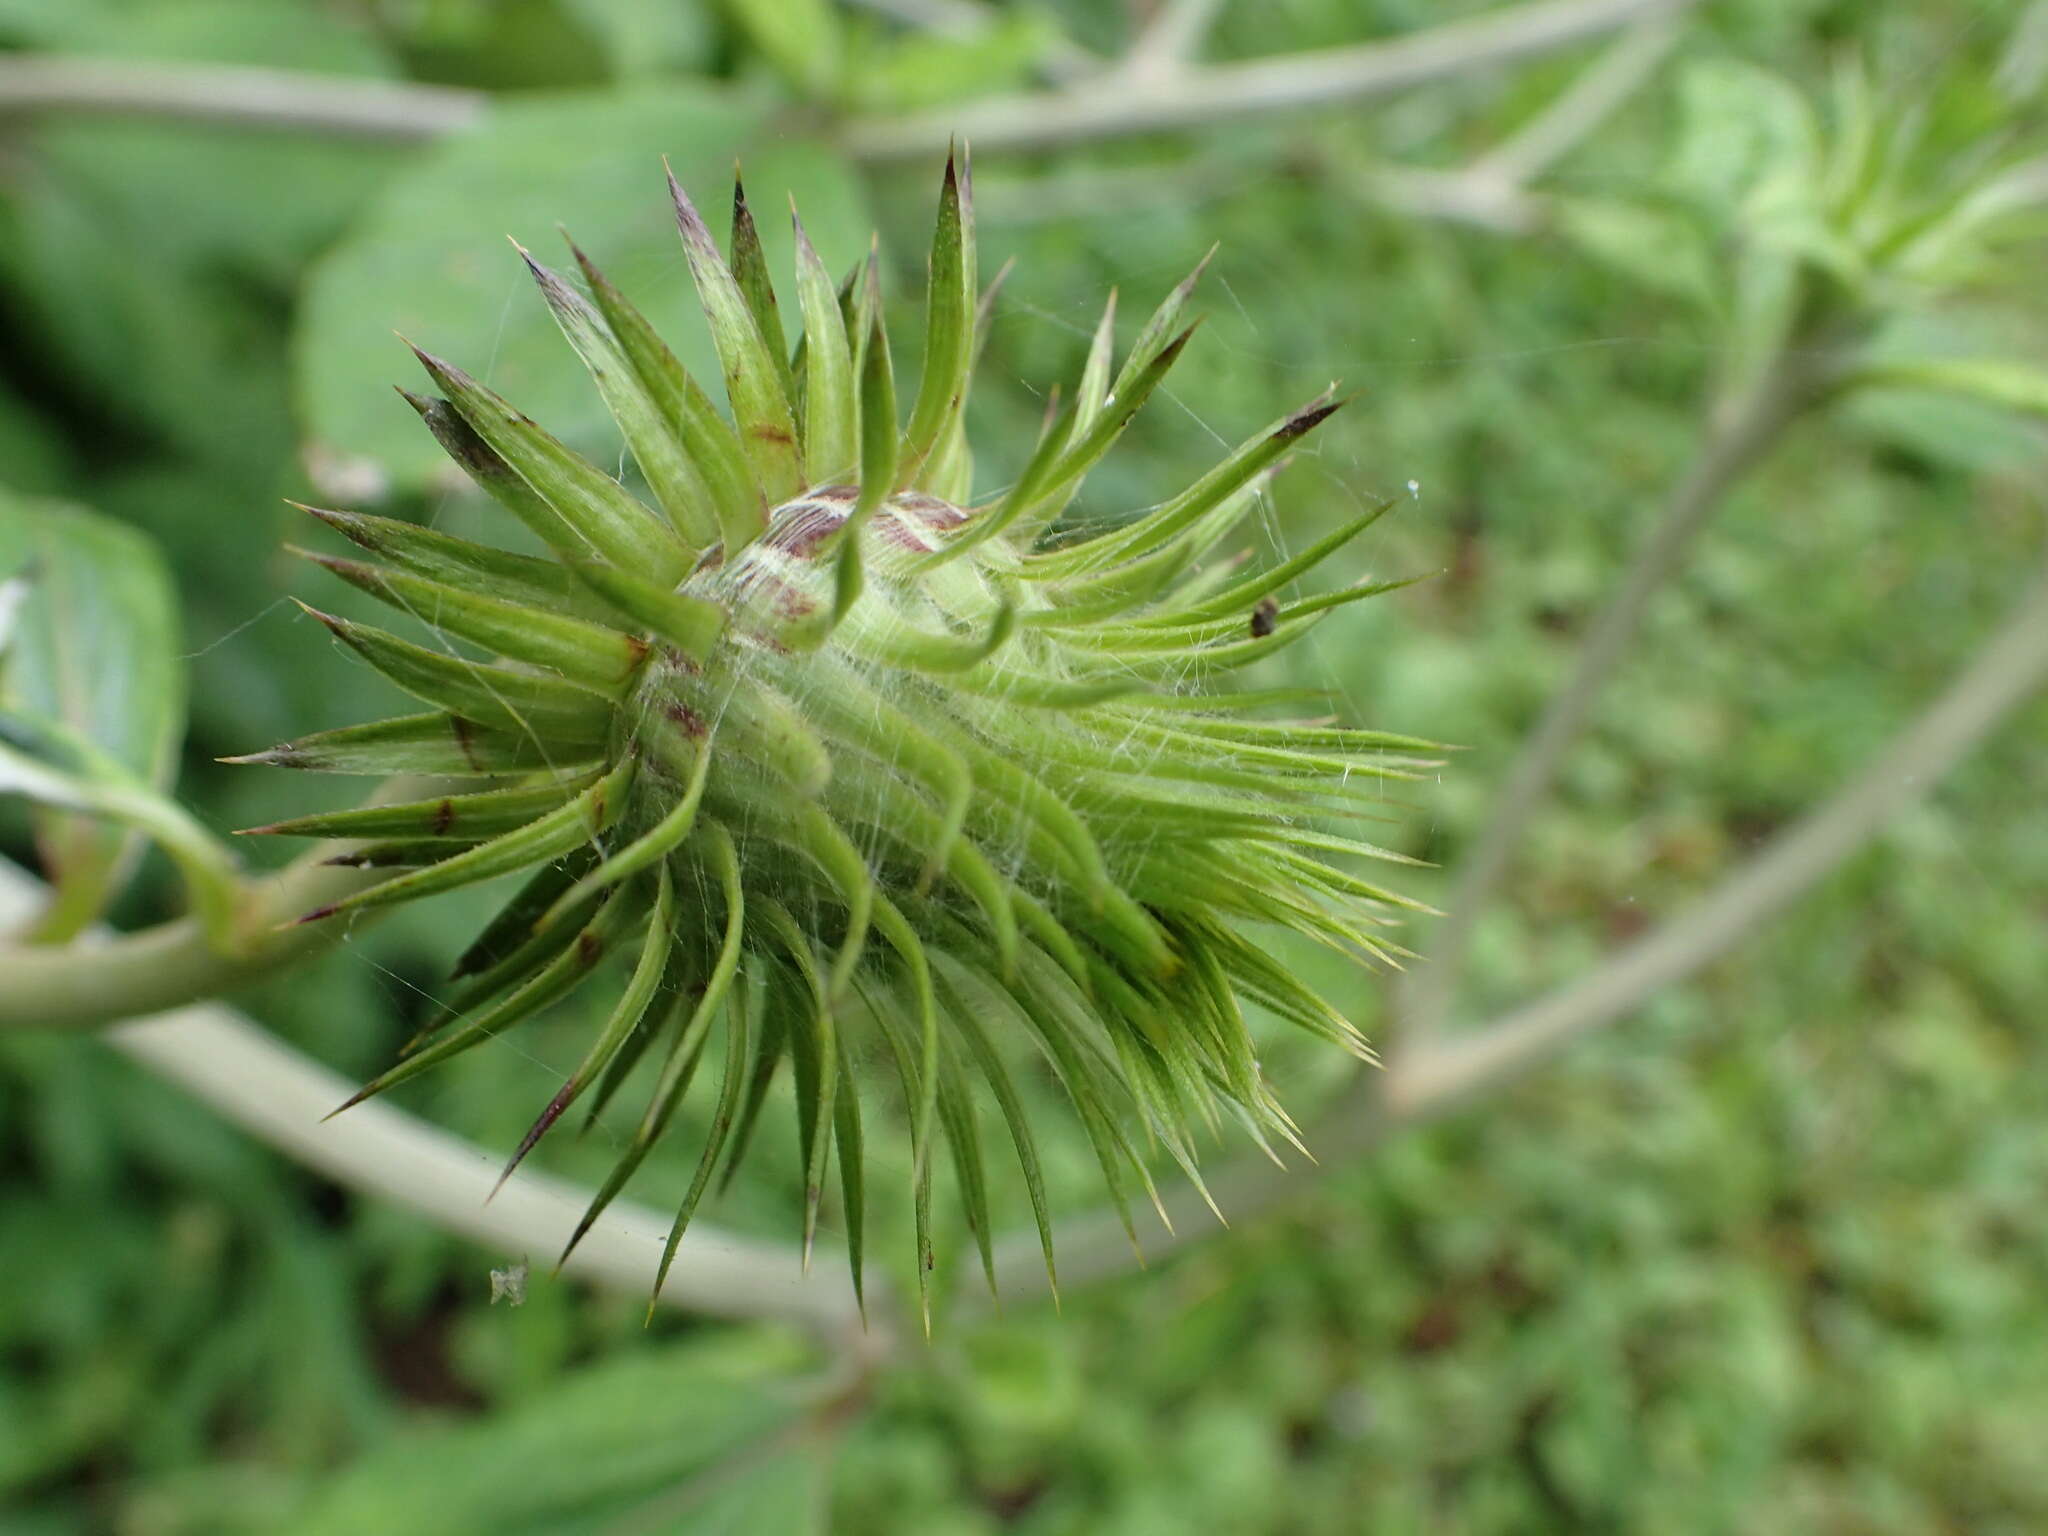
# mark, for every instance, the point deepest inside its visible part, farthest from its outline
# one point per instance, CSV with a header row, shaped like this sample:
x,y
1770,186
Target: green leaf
x,y
95,650
458,562
594,508
557,711
593,655
52,767
448,818
949,321
691,624
440,744
800,38
754,373
757,287
180,340
736,507
1997,381
664,464
830,390
928,68
1741,127
1667,250
707,1436
645,39
430,259
550,836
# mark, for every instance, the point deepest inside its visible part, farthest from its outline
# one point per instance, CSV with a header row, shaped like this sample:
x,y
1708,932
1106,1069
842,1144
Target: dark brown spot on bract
x,y
688,719
1264,617
769,432
444,816
588,948
459,728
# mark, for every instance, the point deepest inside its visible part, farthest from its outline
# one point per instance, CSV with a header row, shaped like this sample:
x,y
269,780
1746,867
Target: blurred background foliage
x,y
1773,1257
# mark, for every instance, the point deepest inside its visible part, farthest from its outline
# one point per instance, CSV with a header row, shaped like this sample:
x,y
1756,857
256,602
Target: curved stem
x,y
1750,428
1113,105
1595,95
278,99
1106,105
1431,1081
1172,36
279,1096
2010,666
90,983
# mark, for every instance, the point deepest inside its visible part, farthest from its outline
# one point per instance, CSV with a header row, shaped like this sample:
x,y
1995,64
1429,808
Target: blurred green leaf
x,y
703,1437
800,38
151,261
923,69
93,652
432,262
670,37
258,205
1741,128
1996,381
33,450
54,768
501,45
1664,249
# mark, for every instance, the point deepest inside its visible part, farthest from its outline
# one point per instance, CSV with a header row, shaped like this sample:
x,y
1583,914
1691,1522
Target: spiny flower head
x,y
852,767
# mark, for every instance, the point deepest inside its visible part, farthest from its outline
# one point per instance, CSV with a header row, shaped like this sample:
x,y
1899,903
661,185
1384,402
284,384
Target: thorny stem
x,y
1104,106
1431,1081
1749,427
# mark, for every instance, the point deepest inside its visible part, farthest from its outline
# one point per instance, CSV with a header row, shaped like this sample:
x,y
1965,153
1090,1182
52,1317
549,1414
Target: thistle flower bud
x,y
847,763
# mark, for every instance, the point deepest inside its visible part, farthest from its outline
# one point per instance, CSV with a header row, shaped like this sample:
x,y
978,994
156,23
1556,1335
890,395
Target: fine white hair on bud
x,y
849,765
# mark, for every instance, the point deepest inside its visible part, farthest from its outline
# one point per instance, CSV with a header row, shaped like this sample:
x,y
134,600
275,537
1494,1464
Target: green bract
x,y
851,766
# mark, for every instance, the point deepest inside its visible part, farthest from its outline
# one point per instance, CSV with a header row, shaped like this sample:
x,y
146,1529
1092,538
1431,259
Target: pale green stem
x,y
106,978
1749,427
279,1096
88,984
1103,106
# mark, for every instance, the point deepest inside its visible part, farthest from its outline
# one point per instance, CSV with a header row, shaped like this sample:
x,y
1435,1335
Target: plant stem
x,y
337,105
1750,427
1172,36
95,982
1491,191
279,1096
1103,106
1113,106
1430,1081
1588,102
2010,666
